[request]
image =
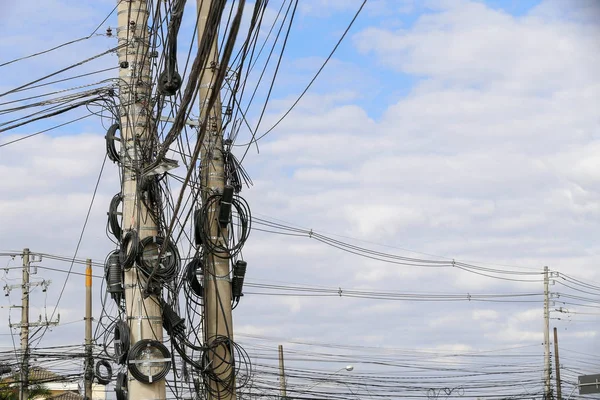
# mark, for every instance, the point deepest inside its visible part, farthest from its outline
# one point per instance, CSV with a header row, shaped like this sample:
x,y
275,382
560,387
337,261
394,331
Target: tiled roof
x,y
66,396
38,375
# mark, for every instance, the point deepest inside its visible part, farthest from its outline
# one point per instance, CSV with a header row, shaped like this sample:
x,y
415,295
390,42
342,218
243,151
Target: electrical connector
x,y
225,206
173,323
237,282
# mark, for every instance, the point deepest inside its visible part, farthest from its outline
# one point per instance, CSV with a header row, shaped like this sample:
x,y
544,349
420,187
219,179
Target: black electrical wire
x,y
111,150
76,249
44,131
121,391
307,86
63,70
192,269
63,44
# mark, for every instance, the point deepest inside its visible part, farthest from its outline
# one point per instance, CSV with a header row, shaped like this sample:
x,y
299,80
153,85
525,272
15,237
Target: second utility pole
x,y
24,391
89,374
557,367
547,367
282,374
217,304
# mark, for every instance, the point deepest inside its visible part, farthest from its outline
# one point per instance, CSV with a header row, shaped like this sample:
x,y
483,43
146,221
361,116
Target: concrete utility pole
x,y
557,367
89,375
217,284
282,374
547,366
24,390
135,85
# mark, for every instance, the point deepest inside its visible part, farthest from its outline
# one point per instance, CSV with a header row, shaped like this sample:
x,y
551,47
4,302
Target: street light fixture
x,y
346,368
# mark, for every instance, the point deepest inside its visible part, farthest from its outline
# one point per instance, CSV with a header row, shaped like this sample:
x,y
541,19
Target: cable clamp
x,y
141,317
218,278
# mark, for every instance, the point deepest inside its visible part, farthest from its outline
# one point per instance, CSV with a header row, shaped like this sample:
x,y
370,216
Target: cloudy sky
x,y
440,130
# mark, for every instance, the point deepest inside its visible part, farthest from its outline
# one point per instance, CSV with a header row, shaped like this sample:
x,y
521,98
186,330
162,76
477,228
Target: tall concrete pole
x,y
282,374
135,86
88,331
547,367
217,298
557,367
24,390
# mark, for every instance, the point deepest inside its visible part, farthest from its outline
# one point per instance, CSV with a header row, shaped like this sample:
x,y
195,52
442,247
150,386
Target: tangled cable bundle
x,y
238,227
235,174
121,391
103,377
150,189
232,372
191,276
165,269
121,341
153,264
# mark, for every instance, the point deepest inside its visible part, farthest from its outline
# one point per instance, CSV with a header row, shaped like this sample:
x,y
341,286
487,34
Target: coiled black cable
x,y
110,137
130,247
191,274
228,376
103,379
113,216
238,228
121,386
164,269
136,352
121,341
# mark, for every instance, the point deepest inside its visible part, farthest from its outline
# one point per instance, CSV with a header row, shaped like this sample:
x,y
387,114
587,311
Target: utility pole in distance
x,y
282,374
24,325
144,315
89,374
557,367
547,367
24,392
217,284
